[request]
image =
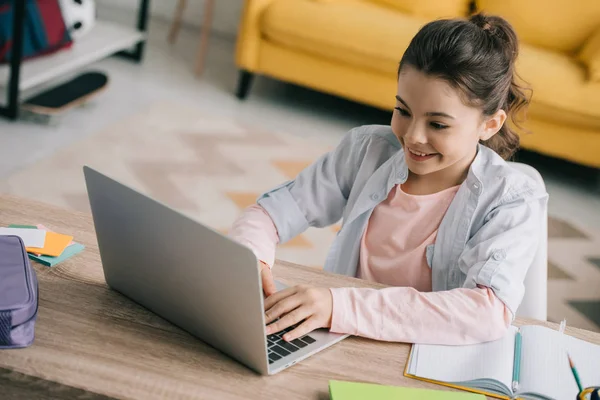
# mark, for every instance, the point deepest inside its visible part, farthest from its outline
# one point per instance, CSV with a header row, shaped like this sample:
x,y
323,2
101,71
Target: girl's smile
x,y
419,156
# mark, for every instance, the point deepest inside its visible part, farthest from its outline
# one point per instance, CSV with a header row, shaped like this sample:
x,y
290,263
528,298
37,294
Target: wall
x,y
226,14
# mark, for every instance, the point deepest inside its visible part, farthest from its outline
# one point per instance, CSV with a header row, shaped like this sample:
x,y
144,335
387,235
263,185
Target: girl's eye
x,y
438,126
402,111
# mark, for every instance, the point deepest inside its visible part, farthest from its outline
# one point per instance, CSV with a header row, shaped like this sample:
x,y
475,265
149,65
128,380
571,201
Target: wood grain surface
x,y
92,342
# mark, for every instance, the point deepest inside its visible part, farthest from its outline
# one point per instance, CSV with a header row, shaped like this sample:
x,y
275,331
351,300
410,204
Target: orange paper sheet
x,y
54,245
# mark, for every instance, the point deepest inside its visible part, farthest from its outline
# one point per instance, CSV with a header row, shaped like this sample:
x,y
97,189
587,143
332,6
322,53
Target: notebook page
x,y
491,360
545,368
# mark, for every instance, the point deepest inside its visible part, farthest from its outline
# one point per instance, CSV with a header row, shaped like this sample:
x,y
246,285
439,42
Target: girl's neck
x,y
423,185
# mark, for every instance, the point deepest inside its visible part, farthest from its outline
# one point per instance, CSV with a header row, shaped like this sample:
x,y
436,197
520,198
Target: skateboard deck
x,y
65,96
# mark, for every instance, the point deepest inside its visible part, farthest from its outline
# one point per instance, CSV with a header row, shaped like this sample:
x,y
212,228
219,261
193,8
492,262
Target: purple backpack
x,y
18,294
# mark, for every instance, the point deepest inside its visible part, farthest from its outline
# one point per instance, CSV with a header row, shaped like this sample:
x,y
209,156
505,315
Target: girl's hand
x,y
312,305
268,283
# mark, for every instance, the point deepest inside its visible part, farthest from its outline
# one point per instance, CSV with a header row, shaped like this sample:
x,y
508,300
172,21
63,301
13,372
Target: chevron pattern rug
x,y
211,169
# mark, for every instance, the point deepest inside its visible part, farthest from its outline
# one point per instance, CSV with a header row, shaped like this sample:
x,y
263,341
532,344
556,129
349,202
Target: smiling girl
x,y
429,205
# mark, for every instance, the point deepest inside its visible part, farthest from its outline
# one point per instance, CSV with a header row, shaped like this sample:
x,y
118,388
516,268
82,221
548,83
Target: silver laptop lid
x,y
185,272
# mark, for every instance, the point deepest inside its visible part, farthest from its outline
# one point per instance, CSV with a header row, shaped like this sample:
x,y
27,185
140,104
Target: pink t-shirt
x,y
393,252
399,230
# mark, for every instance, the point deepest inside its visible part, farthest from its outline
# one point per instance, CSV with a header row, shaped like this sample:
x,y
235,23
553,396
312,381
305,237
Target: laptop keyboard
x,y
279,348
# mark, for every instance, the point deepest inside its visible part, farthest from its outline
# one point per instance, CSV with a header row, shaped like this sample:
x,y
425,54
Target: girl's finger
x,y
268,283
283,307
278,296
288,320
303,329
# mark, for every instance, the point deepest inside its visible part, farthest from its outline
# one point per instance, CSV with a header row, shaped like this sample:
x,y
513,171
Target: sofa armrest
x,y
248,40
590,56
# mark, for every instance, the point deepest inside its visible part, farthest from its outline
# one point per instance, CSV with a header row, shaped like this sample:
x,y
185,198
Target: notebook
x,y
340,390
487,368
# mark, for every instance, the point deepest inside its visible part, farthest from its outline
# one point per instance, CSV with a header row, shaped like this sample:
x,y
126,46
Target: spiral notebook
x,y
487,368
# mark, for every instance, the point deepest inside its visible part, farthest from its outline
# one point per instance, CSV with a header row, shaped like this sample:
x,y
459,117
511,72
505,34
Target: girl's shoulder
x,y
509,180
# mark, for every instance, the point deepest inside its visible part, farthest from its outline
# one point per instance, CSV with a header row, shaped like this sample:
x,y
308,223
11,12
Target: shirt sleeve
x,y
500,253
318,195
255,230
403,314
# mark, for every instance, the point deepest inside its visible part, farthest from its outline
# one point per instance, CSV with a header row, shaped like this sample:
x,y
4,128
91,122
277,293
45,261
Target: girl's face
x,y
438,132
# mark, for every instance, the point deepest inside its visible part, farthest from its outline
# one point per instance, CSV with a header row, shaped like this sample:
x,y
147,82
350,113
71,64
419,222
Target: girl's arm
x,y
255,230
317,197
403,314
496,259
500,253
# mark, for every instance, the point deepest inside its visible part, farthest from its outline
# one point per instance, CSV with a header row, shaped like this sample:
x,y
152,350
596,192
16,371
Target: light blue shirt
x,y
488,236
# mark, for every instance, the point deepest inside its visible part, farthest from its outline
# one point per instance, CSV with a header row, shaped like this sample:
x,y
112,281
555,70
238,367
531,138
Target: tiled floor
x,y
166,76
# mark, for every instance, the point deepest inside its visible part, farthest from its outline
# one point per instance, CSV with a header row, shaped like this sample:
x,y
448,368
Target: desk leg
x,y
176,24
209,8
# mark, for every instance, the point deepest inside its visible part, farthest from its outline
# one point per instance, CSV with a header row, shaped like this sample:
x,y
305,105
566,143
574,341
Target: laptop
x,y
191,275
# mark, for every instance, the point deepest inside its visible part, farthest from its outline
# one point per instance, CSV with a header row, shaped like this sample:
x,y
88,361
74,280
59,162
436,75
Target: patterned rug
x,y
211,169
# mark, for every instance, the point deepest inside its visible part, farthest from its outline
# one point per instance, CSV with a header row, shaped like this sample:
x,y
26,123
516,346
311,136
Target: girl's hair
x,y
476,55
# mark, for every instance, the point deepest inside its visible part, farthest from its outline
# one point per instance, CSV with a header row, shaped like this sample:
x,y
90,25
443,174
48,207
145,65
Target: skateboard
x,y
57,100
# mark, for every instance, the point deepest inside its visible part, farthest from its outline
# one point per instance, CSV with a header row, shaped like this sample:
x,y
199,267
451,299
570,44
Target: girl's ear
x,y
492,125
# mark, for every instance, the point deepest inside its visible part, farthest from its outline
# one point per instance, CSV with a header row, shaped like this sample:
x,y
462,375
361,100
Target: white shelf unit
x,y
105,39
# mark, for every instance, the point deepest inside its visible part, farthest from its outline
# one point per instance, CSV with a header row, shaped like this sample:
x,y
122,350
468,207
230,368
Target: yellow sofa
x,y
351,48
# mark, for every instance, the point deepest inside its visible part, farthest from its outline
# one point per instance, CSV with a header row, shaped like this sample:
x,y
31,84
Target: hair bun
x,y
483,21
498,28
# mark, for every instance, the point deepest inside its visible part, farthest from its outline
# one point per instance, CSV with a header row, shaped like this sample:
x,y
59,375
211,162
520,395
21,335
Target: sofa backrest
x,y
429,8
560,25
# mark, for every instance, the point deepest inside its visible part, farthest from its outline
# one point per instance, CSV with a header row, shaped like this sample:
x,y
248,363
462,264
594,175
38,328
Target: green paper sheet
x,y
340,390
69,252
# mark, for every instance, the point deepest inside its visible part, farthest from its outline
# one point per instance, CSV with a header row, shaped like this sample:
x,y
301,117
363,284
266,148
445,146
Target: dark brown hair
x,y
476,55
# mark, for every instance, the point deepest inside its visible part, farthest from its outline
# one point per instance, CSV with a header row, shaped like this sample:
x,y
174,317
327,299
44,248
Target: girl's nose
x,y
415,134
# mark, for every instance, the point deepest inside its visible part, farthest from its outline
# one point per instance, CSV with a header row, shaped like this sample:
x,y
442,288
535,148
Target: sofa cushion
x,y
561,25
561,91
429,8
344,32
356,32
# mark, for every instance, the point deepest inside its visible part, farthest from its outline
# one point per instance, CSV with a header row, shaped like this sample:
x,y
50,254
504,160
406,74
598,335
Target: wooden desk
x,y
92,342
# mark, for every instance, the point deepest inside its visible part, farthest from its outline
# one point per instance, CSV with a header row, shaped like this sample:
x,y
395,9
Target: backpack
x,y
18,295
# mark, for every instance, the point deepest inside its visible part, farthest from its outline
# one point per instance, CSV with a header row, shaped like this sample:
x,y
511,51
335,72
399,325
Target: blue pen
x,y
517,362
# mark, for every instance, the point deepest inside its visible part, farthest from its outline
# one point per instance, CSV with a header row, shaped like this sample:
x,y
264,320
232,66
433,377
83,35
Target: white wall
x,y
226,14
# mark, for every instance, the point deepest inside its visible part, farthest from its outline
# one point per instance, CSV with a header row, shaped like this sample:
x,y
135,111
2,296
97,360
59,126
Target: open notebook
x,y
487,368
